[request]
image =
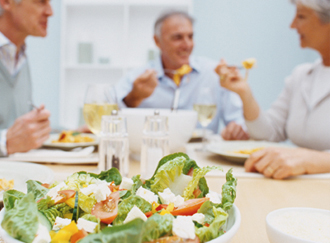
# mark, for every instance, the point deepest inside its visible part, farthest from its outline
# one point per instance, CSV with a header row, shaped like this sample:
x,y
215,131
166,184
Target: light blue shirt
x,y
229,105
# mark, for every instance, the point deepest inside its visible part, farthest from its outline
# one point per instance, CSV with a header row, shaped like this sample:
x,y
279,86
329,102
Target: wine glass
x,y
99,101
205,105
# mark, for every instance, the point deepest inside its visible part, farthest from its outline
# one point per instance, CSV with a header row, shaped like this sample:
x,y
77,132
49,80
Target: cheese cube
x,y
184,227
147,195
88,190
134,214
214,197
53,191
126,183
198,217
101,192
87,225
167,197
60,223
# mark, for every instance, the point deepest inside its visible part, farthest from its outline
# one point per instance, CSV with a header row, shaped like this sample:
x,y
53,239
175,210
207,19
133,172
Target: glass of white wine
x,y
205,105
99,101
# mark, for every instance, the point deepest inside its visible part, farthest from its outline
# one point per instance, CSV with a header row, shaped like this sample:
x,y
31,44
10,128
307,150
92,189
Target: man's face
x,y
30,17
176,41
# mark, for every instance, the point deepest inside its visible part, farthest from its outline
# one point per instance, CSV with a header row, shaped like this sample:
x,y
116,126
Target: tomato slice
x,y
46,185
78,236
107,210
113,187
189,207
64,195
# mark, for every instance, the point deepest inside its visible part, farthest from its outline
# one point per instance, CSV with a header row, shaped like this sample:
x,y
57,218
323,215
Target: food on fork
x,y
249,63
183,70
174,205
73,137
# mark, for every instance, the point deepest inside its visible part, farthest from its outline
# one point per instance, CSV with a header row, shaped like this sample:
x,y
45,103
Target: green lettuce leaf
x,y
45,203
127,204
79,179
86,203
108,175
10,197
157,226
168,158
126,233
167,174
207,210
198,174
21,222
189,165
37,189
57,210
213,231
228,191
111,175
137,183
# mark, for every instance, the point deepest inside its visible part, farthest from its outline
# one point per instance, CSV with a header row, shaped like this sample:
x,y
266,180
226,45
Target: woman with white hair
x,y
302,111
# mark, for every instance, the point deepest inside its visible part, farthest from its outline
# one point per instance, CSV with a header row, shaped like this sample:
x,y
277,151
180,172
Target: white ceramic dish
x,y
21,172
226,148
276,235
181,126
48,143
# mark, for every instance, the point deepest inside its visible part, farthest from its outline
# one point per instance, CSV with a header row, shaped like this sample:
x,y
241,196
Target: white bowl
x,y
232,226
281,225
181,126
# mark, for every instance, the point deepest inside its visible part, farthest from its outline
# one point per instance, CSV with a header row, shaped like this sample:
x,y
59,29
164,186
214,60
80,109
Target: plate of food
x,y
239,151
71,139
13,175
174,205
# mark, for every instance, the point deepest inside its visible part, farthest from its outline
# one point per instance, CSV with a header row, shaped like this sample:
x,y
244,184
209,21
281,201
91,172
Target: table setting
x,y
125,140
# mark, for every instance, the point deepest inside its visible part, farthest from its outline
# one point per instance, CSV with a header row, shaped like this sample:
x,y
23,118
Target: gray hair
x,y
321,8
165,15
1,9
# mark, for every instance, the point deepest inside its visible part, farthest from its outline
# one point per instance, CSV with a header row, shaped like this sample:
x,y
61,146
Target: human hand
x,y
143,87
278,163
29,131
230,78
83,129
234,131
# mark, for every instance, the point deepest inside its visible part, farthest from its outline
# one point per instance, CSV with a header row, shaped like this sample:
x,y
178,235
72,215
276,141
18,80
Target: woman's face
x,y
313,33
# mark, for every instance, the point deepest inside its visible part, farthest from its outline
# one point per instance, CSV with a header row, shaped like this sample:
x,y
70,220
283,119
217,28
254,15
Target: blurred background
x,y
234,30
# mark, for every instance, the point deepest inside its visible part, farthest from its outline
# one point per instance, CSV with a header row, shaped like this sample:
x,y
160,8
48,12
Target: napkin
x,y
77,155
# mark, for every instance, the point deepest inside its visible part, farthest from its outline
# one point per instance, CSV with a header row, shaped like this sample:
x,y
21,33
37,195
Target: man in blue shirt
x,y
152,86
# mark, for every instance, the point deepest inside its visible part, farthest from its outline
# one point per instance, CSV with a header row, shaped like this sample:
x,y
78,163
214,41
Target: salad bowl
x,y
174,204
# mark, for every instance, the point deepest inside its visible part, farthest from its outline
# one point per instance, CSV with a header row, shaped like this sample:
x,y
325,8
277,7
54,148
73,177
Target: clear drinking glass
x,y
155,143
113,149
99,101
206,108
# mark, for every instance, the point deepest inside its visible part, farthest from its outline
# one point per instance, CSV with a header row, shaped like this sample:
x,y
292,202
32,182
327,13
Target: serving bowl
x,y
181,126
231,227
298,225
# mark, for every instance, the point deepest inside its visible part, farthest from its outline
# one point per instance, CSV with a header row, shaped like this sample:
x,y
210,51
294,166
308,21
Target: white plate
x,y
48,143
21,172
198,133
226,148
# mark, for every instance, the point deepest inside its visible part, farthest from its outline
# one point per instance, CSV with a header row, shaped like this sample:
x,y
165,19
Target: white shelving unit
x,y
120,33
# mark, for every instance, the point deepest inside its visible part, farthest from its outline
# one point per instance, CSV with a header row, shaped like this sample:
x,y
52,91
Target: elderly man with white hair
x,y
301,112
154,86
21,128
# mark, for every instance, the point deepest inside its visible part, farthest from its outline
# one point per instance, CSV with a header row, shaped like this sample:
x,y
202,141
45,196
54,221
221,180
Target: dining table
x,y
256,195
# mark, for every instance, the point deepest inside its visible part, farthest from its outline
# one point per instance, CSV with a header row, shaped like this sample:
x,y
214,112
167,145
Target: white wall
x,y
233,29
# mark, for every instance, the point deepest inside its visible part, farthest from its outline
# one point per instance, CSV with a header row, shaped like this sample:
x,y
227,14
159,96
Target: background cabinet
x,y
100,41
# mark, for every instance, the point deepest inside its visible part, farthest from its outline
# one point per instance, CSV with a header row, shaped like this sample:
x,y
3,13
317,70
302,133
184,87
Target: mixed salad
x,y
174,205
